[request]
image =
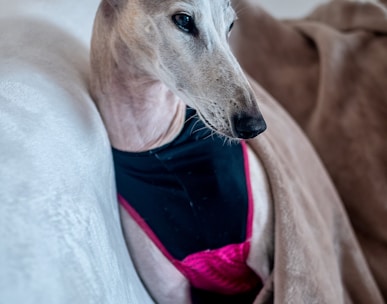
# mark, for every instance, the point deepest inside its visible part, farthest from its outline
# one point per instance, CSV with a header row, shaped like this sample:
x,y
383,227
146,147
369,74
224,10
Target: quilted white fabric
x,y
60,236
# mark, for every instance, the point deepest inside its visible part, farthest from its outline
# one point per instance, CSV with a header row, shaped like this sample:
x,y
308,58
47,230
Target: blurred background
x,y
77,16
290,9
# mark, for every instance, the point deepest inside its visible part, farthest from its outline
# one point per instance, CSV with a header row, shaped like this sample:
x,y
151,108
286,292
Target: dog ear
x,y
115,3
110,7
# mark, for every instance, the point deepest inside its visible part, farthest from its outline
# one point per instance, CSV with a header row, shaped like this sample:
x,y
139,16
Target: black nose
x,y
246,126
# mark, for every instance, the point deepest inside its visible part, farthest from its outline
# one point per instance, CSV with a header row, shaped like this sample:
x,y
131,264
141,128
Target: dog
x,y
195,201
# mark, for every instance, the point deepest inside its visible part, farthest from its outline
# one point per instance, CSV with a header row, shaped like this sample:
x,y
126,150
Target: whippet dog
x,y
170,92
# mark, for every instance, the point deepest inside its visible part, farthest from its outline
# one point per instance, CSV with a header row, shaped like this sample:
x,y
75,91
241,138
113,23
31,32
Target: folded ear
x,y
110,7
115,3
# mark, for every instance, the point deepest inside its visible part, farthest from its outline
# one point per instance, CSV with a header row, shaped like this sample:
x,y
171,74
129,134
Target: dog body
x,y
192,204
150,60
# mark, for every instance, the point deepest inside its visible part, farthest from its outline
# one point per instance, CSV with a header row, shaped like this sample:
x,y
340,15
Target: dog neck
x,y
139,113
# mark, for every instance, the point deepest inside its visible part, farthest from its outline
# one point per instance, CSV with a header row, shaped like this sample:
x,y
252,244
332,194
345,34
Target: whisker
x,y
240,10
193,127
192,117
198,130
212,133
202,98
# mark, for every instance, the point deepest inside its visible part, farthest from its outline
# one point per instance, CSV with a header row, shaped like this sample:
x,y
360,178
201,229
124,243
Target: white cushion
x,y
60,236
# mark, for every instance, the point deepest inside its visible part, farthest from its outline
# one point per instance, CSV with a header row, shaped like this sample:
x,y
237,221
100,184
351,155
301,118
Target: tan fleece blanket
x,y
317,258
329,71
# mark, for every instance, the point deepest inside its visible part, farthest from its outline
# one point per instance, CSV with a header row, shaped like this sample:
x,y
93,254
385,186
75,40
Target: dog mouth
x,y
241,126
225,132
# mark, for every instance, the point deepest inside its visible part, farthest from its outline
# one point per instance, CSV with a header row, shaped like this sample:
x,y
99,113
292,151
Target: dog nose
x,y
247,126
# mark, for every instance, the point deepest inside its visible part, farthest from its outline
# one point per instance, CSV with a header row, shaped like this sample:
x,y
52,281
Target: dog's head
x,y
184,44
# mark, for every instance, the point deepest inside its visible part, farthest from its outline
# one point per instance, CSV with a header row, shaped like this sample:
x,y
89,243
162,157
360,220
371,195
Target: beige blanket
x,y
329,71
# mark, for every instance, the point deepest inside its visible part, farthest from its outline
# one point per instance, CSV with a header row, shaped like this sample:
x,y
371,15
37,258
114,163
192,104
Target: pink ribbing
x,y
223,270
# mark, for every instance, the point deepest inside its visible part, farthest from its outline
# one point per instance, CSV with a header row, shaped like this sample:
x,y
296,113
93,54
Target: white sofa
x,y
60,236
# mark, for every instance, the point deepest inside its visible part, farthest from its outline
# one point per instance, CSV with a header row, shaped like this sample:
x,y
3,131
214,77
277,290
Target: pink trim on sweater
x,y
148,231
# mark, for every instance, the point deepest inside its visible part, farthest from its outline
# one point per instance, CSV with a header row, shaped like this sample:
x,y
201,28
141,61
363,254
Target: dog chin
x,y
227,134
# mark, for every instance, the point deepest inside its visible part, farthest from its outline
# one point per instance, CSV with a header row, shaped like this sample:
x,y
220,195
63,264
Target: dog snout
x,y
247,126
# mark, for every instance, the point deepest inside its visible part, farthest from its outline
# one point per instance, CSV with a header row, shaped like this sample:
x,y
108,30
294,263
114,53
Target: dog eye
x,y
185,23
231,26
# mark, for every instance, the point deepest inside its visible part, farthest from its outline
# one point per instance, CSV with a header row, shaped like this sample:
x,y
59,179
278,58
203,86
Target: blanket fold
x,y
317,257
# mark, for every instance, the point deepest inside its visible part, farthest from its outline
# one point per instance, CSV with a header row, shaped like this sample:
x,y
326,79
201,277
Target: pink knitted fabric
x,y
223,270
